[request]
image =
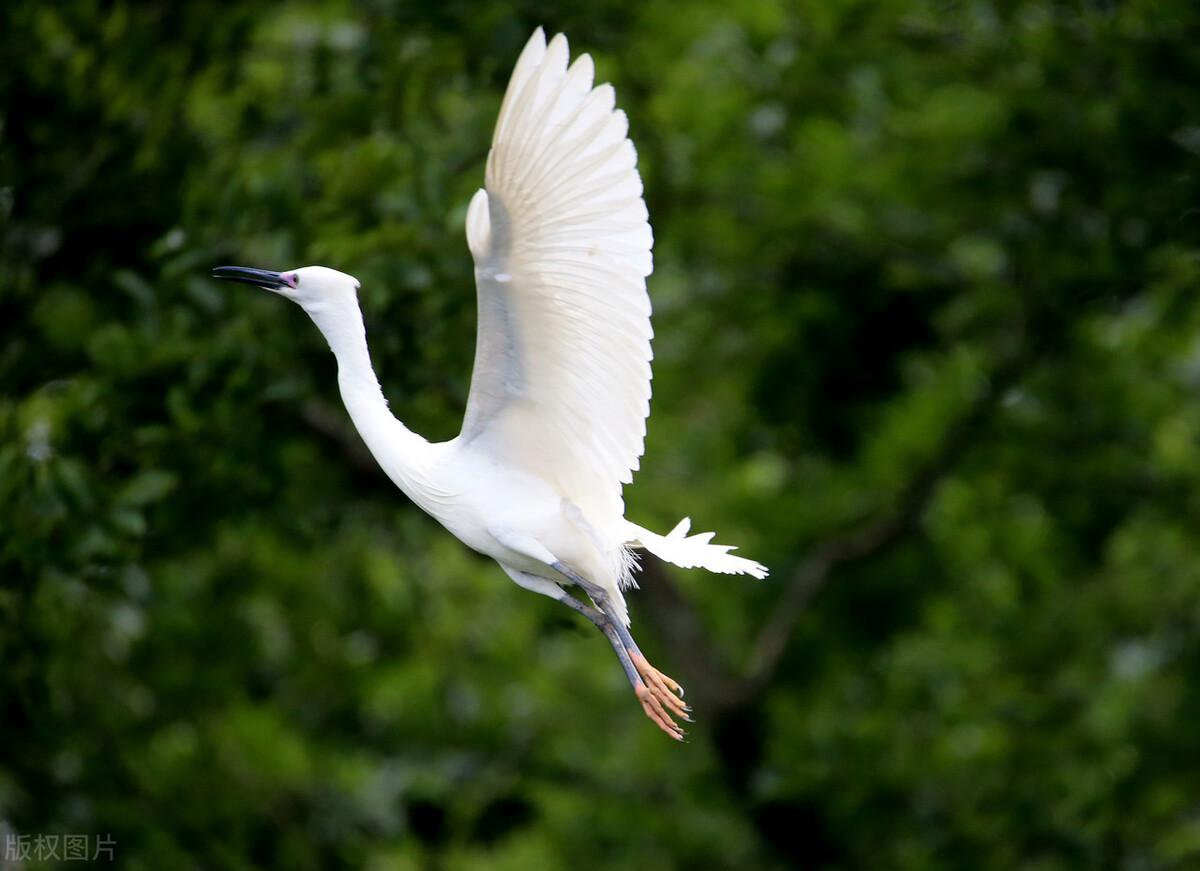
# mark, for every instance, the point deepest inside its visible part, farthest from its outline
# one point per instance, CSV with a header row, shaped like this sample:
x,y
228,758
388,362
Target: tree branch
x,y
872,535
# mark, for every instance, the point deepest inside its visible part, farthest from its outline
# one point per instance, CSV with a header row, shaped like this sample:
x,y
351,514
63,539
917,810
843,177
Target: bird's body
x,y
488,503
555,420
500,510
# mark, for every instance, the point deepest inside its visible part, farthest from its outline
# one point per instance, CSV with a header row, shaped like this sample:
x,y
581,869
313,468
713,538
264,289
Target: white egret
x,y
560,391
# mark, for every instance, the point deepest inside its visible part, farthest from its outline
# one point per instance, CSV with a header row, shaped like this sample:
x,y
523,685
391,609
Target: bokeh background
x,y
927,299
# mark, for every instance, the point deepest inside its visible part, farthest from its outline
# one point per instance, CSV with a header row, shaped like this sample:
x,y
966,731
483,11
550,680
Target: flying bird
x,y
560,390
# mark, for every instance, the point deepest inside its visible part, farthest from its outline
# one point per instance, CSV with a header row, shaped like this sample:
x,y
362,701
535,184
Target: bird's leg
x,y
654,690
665,686
592,614
616,633
650,704
649,701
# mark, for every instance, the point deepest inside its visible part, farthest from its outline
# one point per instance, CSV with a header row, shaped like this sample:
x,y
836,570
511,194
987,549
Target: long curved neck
x,y
401,453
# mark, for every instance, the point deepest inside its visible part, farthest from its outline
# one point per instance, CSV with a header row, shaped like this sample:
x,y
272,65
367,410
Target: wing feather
x,y
561,384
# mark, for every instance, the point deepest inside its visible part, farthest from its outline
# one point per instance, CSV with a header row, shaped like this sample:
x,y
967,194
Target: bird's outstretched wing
x,y
561,383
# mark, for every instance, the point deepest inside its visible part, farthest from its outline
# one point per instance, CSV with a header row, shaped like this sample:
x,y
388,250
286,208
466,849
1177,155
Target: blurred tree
x,y
927,326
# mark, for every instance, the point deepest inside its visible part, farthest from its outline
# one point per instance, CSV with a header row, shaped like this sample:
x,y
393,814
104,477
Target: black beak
x,y
258,277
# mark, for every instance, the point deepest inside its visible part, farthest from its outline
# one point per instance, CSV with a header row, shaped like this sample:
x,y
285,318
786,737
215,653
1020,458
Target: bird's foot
x,y
657,712
661,698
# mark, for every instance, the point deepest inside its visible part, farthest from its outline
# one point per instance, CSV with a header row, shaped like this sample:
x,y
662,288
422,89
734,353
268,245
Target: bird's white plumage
x,y
561,384
695,551
562,248
560,392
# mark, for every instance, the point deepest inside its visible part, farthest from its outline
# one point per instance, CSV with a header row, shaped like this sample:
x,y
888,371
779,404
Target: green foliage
x,y
896,242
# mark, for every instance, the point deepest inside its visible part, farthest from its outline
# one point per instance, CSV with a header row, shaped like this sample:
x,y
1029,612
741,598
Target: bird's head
x,y
318,289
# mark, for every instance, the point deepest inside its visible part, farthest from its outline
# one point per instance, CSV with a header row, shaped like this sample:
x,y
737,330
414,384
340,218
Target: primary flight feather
x,y
560,390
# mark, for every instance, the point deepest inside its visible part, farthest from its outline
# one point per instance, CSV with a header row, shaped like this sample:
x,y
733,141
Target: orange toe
x,y
655,711
665,688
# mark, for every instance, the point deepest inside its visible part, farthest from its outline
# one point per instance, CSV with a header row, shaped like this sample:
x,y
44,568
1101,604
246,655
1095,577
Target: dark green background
x,y
927,297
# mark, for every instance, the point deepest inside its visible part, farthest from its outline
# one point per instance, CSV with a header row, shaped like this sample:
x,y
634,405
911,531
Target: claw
x,y
673,700
672,685
654,710
663,687
668,698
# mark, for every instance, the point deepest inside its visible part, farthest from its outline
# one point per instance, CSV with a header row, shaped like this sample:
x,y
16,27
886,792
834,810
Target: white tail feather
x,y
695,551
